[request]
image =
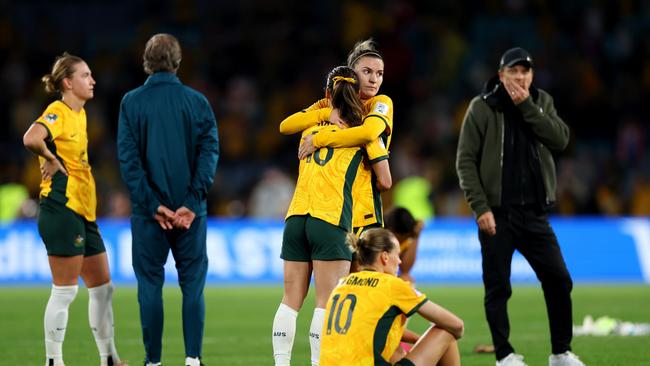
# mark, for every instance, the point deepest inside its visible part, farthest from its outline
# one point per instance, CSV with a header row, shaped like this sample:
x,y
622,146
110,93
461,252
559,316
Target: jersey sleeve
x,y
406,297
376,151
322,103
351,137
52,120
381,108
304,119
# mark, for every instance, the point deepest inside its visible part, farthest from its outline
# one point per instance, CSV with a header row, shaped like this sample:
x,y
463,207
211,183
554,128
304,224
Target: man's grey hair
x,y
161,53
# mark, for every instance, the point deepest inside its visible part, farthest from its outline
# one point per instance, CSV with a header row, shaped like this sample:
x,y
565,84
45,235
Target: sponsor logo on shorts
x,y
78,241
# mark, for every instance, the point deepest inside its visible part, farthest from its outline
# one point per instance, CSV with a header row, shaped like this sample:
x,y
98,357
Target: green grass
x,y
238,325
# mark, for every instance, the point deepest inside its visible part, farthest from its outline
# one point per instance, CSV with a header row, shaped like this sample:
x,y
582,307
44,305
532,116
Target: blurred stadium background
x,y
258,61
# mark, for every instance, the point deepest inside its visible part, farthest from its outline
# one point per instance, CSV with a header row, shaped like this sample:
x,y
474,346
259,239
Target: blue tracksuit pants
x,y
150,248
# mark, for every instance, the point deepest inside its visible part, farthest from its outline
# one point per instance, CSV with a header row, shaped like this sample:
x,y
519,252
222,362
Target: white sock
x,y
284,331
192,361
315,331
100,317
56,320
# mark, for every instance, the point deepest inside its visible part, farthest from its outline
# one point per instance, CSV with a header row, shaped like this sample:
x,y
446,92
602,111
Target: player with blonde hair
x,y
366,313
66,221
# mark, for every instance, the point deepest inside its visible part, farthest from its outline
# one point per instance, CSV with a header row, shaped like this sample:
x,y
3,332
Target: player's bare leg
x,y
435,347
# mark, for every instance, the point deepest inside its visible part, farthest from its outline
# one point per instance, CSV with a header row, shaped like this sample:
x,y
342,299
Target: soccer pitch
x,y
238,325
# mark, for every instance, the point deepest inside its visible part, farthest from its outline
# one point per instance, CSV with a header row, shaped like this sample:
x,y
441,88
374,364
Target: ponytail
x,y
371,243
343,86
64,66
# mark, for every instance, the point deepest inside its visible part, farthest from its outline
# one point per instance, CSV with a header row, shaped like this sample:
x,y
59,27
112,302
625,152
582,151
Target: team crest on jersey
x,y
381,108
50,117
78,241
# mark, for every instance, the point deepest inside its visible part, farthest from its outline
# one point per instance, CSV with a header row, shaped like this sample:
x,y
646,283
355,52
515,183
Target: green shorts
x,y
66,233
360,229
307,238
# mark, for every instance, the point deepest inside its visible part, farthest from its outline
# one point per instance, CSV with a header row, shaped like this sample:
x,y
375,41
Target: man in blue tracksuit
x,y
168,150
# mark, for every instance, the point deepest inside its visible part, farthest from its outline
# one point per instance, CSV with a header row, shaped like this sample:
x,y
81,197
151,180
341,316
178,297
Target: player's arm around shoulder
x,y
303,120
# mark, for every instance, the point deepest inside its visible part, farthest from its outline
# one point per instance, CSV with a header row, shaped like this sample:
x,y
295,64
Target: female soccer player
x,y
320,215
368,65
66,221
366,313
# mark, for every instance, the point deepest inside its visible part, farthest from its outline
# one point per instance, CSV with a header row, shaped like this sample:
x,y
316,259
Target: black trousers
x,y
526,229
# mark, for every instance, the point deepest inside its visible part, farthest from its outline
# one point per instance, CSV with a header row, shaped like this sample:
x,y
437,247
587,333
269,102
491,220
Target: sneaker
x,y
567,358
512,359
50,362
152,363
193,361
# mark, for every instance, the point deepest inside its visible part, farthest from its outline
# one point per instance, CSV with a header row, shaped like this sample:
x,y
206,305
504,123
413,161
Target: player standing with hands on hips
x,y
66,221
507,172
168,149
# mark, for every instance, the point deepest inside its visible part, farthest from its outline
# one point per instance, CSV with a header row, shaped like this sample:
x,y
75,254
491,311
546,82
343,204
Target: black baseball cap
x,y
516,56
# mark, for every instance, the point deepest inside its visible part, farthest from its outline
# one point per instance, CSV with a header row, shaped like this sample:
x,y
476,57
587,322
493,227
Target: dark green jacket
x,y
168,146
479,158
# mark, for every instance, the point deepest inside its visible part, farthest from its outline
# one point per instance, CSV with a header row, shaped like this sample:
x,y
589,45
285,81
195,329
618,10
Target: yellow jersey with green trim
x,y
325,178
381,107
365,319
377,121
68,141
378,111
368,208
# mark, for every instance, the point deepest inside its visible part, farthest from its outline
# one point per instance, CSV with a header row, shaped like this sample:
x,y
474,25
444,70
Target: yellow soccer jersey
x,y
381,107
365,319
300,121
378,112
68,140
324,187
368,208
367,205
378,121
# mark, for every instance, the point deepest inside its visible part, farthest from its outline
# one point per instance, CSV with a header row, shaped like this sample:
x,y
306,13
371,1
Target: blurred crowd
x,y
258,61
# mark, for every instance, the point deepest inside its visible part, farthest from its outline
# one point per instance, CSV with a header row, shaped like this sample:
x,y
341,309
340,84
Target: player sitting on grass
x,y
366,313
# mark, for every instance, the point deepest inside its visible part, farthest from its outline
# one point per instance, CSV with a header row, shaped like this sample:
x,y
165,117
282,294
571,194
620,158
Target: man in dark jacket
x,y
507,172
168,150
